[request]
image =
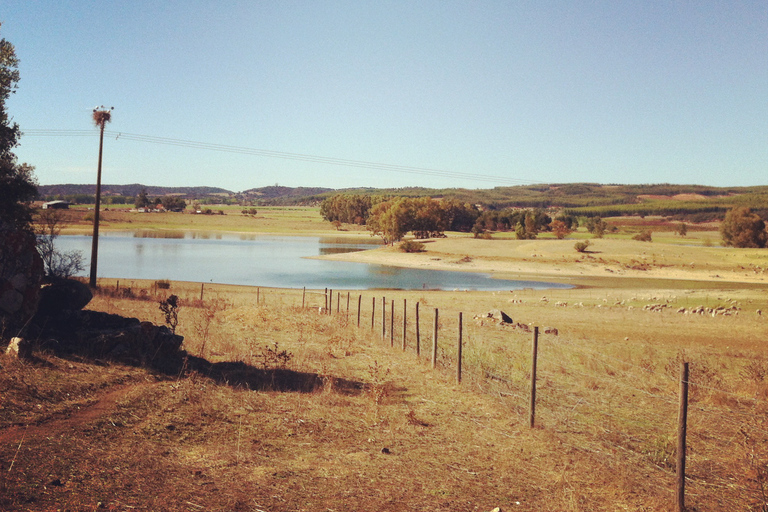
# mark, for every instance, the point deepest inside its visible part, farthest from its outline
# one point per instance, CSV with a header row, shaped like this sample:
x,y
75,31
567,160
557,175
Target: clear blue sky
x,y
526,91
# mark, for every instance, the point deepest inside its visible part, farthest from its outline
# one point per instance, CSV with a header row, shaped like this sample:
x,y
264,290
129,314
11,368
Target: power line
x,y
361,164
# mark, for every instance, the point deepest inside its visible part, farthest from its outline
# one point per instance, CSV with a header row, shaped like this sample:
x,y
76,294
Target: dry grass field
x,y
322,414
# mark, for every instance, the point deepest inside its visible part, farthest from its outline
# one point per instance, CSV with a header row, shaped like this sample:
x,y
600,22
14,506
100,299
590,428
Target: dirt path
x,y
102,405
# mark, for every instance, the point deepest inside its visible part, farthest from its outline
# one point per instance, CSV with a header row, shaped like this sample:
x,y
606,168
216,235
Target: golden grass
x,y
408,438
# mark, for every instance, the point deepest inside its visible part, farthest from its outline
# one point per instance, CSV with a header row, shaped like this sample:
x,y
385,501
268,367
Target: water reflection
x,y
273,261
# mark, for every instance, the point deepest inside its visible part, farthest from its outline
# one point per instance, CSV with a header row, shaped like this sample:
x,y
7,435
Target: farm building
x,y
56,205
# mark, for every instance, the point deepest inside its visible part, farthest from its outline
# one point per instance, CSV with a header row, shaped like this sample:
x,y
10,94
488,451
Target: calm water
x,y
270,261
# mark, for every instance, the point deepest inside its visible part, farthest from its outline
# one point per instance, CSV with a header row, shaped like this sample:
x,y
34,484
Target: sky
x,y
442,94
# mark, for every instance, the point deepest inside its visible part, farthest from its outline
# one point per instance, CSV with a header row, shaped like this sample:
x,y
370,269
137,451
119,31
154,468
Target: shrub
x,y
411,246
643,236
581,246
163,284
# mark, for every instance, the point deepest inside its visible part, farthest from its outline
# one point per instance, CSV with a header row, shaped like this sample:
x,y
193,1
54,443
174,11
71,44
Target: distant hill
x,y
692,202
131,190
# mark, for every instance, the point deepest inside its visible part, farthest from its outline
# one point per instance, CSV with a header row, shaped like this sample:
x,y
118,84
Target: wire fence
x,y
605,401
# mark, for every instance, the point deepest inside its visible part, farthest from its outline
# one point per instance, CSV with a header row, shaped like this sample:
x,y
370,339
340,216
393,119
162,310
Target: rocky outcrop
x,y
21,272
100,335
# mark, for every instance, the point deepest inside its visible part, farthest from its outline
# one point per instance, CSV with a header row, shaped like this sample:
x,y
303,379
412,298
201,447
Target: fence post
x,y
303,297
392,325
117,286
347,304
373,311
405,320
534,356
330,302
682,427
338,301
257,294
418,337
458,363
326,299
383,318
434,343
202,287
359,303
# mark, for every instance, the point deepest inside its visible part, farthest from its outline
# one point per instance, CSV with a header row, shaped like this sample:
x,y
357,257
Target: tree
x,y
596,226
560,229
173,203
682,229
742,228
17,182
57,264
142,200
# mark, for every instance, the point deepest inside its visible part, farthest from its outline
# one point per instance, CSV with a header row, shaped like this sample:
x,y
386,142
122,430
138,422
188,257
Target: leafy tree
x,y
596,226
389,220
17,181
142,200
560,229
743,228
173,203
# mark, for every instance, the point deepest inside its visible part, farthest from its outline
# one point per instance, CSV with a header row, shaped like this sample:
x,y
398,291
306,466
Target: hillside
x,y
691,202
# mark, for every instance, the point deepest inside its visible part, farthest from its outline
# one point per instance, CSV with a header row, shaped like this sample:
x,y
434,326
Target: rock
x,y
499,316
63,295
19,348
21,271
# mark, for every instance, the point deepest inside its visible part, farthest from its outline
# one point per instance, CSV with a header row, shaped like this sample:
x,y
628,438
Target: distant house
x,y
56,205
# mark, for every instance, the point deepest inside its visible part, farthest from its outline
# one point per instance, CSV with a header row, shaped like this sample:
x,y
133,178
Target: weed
x,y
272,358
379,387
170,308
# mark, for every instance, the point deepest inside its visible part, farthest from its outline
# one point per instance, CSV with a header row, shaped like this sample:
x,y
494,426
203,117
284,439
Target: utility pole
x,y
101,116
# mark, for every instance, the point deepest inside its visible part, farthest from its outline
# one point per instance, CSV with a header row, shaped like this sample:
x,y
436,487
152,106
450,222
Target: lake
x,y
264,260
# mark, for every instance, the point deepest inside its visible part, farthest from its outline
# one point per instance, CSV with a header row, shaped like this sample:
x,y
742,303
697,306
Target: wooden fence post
x,y
373,311
682,427
117,286
257,294
392,325
303,297
330,302
434,343
326,300
418,337
534,356
458,351
383,318
347,304
405,320
338,301
202,287
359,303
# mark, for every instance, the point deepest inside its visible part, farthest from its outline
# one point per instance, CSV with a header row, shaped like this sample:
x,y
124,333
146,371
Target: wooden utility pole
x,y
101,116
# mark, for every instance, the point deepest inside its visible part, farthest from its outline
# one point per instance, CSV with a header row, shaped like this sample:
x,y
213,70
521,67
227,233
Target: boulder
x,y
63,295
19,348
